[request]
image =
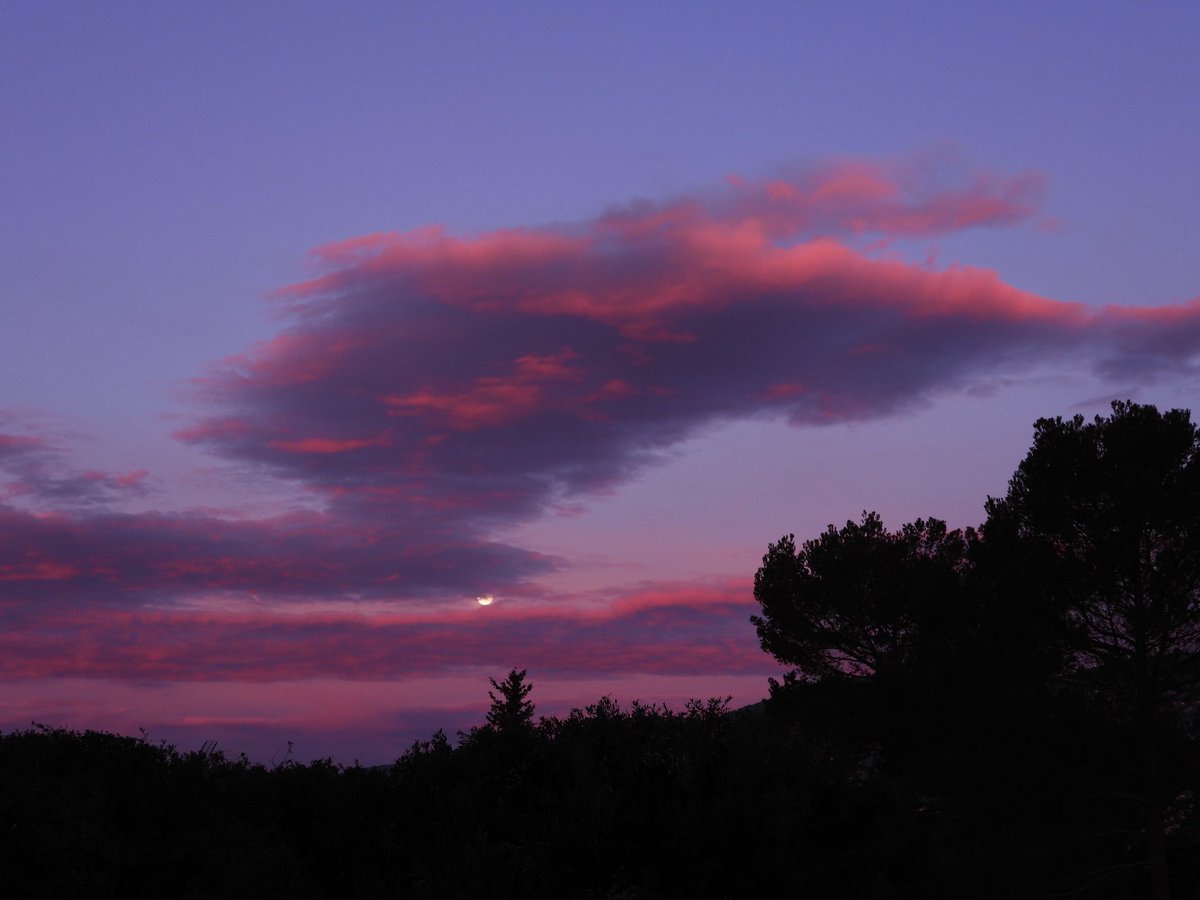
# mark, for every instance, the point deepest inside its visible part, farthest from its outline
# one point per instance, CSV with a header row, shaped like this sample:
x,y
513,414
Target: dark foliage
x,y
860,600
1109,511
605,802
1036,682
98,815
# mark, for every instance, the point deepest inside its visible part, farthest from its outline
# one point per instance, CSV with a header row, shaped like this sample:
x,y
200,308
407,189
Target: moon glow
x,y
485,600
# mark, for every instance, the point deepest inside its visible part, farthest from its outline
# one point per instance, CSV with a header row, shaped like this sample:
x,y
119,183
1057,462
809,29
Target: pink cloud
x,y
114,560
18,442
666,629
328,445
491,375
429,389
895,201
37,570
491,400
131,479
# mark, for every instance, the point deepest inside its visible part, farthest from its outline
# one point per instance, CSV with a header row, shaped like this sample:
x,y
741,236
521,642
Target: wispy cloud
x,y
654,629
34,473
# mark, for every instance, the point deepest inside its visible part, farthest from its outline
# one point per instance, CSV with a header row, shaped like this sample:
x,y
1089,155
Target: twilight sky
x,y
319,320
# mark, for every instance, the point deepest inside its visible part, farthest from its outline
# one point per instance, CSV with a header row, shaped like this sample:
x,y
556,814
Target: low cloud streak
x,y
675,629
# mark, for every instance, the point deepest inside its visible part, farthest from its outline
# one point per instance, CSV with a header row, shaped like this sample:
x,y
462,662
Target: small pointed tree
x,y
510,711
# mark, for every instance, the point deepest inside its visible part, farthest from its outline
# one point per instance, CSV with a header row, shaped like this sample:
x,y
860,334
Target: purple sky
x,y
317,321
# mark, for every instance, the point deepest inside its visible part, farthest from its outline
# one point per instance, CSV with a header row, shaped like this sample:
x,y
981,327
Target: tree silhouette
x,y
859,599
1038,682
510,711
1109,512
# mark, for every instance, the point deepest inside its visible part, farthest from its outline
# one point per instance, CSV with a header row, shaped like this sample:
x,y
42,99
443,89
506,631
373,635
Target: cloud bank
x,y
431,389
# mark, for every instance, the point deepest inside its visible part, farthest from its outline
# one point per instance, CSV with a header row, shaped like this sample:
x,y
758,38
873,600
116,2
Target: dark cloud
x,y
33,473
1148,344
61,560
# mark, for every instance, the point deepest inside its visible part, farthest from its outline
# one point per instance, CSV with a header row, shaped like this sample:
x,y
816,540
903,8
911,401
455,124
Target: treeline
x,y
605,802
1002,712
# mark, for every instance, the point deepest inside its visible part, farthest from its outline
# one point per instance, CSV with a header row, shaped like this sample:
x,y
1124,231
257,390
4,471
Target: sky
x,y
319,321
